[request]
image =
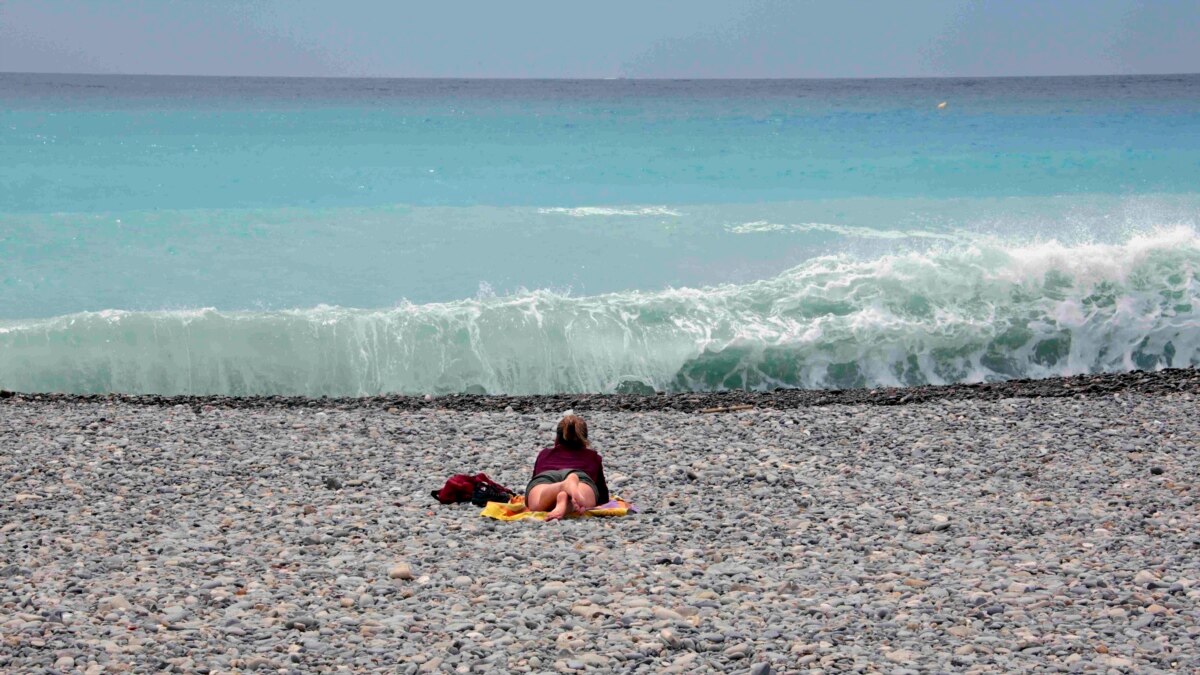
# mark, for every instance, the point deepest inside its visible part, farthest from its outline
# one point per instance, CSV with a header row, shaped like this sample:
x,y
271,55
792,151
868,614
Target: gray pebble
x,y
936,537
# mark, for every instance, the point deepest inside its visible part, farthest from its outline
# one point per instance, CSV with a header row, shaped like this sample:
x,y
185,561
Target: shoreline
x,y
1170,380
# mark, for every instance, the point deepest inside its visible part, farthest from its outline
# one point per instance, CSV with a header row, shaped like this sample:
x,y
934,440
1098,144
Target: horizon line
x,y
599,79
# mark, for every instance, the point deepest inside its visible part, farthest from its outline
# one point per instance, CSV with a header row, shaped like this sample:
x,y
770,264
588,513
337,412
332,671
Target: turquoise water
x,y
349,237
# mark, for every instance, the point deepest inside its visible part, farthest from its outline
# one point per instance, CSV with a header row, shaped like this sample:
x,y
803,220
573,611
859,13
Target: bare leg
x,y
582,495
561,506
559,499
543,497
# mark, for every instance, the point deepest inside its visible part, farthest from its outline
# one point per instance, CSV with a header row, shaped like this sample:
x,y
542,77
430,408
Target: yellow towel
x,y
515,510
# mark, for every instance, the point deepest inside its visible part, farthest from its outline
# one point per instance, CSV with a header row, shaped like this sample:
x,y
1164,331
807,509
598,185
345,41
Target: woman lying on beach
x,y
568,477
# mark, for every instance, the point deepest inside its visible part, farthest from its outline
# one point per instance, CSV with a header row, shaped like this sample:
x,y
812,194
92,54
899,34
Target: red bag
x,y
478,488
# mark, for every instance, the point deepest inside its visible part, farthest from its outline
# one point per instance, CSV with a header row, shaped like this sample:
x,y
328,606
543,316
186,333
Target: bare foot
x,y
560,507
582,497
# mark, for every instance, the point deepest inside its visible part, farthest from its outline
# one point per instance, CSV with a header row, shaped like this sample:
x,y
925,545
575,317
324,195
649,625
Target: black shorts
x,y
558,476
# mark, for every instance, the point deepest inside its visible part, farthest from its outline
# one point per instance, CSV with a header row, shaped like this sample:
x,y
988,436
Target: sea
x,y
353,237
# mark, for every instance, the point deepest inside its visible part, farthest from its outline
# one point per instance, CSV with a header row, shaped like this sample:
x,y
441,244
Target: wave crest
x,y
970,313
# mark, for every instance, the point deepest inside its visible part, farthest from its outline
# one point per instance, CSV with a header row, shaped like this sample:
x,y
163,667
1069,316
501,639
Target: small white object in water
x,y
942,105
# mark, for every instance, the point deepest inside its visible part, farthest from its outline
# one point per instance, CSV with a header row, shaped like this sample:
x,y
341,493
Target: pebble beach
x,y
1000,528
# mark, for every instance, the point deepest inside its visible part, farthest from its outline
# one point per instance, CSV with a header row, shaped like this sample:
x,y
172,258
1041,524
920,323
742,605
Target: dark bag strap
x,y
484,480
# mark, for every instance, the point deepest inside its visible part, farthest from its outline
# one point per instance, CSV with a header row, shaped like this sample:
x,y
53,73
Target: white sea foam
x,y
587,211
761,226
960,313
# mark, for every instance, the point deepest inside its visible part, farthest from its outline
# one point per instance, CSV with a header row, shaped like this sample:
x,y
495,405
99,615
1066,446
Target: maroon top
x,y
584,459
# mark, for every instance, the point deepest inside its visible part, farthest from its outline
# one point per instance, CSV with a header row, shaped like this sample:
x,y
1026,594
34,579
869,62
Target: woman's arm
x,y
602,483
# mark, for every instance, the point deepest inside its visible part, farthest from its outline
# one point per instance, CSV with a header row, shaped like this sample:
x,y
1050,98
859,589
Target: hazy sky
x,y
633,38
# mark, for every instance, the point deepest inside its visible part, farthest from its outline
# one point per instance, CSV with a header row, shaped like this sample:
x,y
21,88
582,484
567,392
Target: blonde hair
x,y
572,432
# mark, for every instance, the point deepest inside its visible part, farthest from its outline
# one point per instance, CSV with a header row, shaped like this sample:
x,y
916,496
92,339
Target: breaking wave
x,y
968,312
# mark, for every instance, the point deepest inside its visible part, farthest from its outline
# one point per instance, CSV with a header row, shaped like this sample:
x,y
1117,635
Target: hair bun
x,y
572,432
